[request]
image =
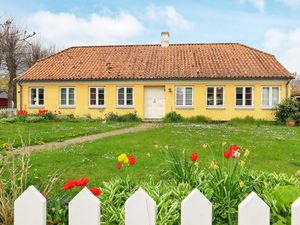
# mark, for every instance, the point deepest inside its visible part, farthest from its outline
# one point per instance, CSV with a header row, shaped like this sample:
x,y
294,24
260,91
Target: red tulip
x,y
227,154
70,184
194,157
119,166
131,160
233,148
96,191
82,182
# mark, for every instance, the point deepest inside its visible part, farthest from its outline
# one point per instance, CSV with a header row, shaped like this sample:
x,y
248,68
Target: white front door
x,y
154,102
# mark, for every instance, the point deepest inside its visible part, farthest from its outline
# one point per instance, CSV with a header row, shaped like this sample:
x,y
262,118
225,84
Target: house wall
x,y
52,92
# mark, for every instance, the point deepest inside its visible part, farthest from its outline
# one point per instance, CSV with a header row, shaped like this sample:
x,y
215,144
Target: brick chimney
x,y
165,39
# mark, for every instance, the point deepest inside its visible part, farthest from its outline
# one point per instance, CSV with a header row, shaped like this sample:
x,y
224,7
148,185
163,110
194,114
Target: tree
x,y
4,83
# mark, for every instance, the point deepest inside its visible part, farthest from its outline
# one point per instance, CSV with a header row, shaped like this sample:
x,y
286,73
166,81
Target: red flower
x,y
194,157
22,112
227,154
70,184
96,191
82,182
131,160
233,148
119,166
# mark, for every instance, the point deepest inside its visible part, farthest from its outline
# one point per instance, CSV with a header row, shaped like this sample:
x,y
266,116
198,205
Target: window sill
x,y
245,107
96,107
37,106
125,107
269,107
215,107
67,107
184,107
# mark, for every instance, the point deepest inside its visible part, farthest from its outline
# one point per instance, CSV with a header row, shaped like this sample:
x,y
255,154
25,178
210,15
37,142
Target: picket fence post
x,y
296,212
84,209
253,210
140,209
196,209
30,208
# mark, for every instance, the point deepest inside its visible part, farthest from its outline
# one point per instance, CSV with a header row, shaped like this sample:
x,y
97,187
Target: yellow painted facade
x,y
52,98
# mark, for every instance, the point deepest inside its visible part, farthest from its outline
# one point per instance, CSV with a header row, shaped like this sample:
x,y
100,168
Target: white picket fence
x,y
8,111
140,209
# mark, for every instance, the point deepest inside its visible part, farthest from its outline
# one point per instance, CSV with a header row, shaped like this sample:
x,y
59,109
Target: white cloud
x,y
67,29
169,15
291,3
259,4
285,45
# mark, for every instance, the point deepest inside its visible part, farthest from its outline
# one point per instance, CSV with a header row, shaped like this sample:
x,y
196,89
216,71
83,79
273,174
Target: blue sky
x,y
269,25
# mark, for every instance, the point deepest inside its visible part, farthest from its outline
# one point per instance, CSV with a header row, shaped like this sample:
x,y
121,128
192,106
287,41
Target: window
x,y
215,97
244,96
125,96
67,97
184,96
270,97
97,98
37,97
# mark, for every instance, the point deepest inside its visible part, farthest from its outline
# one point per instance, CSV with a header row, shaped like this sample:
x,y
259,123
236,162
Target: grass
x,y
43,132
273,149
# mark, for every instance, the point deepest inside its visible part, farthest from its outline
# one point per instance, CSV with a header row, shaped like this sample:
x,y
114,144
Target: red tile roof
x,y
150,62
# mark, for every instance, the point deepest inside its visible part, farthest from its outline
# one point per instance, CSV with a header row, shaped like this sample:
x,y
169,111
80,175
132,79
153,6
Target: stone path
x,y
78,140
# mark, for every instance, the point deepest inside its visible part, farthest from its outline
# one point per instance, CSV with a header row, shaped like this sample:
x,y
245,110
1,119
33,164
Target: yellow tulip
x,y
242,184
213,165
126,161
242,163
204,145
122,157
247,153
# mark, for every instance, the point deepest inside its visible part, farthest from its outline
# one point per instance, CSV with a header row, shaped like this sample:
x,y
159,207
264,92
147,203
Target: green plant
x,y
48,116
198,119
249,120
34,119
173,117
12,119
288,109
129,117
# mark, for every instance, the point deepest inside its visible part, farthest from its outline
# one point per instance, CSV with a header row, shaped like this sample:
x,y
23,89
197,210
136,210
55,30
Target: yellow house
x,y
220,81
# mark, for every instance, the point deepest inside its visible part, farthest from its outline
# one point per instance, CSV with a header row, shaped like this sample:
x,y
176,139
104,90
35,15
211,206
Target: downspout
x,y
21,94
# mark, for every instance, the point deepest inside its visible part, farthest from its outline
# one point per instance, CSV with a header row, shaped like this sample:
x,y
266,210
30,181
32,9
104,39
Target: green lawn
x,y
273,149
38,133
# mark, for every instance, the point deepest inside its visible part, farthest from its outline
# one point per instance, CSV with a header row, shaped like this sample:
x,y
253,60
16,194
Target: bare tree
x,y
36,51
13,44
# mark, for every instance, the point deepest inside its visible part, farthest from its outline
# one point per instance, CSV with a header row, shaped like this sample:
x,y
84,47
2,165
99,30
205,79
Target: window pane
x,y
239,96
121,96
266,92
93,96
63,96
41,96
101,96
71,96
275,96
179,96
248,96
129,99
33,96
210,96
219,96
189,96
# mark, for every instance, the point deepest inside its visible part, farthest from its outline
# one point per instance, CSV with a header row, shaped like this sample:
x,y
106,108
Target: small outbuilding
x,y
3,99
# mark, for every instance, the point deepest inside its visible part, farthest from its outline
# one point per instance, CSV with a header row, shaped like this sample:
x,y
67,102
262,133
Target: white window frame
x,y
97,105
270,106
67,105
184,106
215,106
125,98
244,106
37,105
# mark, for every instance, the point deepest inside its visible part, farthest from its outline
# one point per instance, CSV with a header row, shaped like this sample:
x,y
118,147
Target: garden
x,y
225,161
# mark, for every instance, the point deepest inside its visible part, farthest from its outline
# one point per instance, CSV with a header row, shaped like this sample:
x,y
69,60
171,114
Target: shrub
x,y
130,117
34,119
173,117
288,109
249,120
47,116
198,119
12,119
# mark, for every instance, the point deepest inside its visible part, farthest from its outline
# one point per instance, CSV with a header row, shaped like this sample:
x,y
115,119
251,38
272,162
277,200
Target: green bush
x,y
198,119
48,116
130,117
288,109
12,119
34,119
173,117
249,120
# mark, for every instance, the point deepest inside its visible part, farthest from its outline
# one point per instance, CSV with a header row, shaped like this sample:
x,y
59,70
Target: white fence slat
x,y
140,209
196,209
84,209
296,212
30,208
253,210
